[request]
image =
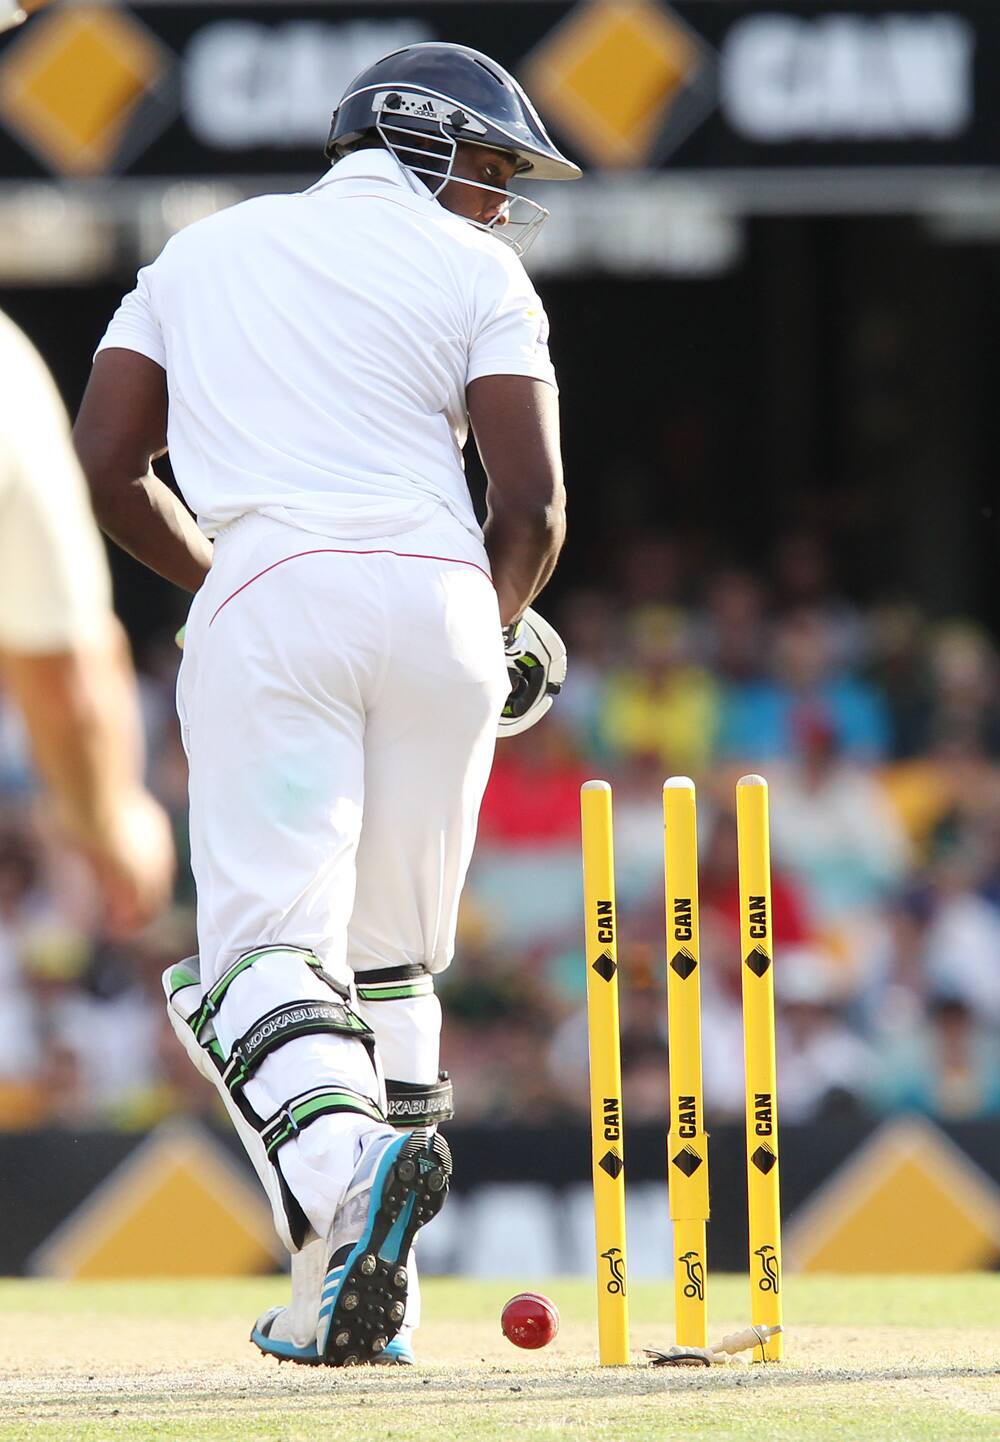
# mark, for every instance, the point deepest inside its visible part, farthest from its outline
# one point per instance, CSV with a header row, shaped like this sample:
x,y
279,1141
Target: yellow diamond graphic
x,y
609,74
178,1206
863,1218
71,85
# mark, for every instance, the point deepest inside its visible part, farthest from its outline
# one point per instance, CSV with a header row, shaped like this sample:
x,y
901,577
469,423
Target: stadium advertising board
x,y
168,90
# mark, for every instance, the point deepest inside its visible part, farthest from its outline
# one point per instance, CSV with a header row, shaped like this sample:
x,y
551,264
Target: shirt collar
x,y
372,165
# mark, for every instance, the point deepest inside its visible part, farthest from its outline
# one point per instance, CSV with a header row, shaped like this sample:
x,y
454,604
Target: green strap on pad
x,y
309,1107
215,995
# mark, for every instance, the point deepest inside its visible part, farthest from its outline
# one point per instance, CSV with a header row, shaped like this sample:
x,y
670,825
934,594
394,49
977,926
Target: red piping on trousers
x,y
333,551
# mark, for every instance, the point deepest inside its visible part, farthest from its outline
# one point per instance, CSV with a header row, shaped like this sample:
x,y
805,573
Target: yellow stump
x,y
759,1053
605,1072
687,1142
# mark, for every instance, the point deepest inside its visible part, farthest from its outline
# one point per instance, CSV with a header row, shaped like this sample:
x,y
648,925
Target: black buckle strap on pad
x,y
410,972
410,1104
393,983
284,1024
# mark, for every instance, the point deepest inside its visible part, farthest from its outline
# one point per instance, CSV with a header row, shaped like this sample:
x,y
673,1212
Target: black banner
x,y
46,1176
172,90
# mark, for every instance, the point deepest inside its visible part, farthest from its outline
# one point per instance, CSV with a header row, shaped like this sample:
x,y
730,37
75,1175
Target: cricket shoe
x,y
400,1183
288,1333
273,1335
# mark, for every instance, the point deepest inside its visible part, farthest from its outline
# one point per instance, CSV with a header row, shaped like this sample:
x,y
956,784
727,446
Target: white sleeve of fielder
x,y
134,325
55,589
511,329
11,14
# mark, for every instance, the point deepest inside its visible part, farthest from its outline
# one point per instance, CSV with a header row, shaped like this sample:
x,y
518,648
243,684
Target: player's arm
x,y
121,428
15,12
515,420
80,709
63,656
80,722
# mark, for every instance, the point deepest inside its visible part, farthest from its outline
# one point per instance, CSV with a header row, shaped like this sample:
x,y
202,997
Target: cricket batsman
x,y
313,363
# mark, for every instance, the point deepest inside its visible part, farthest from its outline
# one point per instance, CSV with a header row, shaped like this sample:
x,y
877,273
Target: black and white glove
x,y
536,665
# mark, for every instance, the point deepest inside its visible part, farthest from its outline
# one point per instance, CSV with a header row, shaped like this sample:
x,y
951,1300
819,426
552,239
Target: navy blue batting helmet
x,y
449,90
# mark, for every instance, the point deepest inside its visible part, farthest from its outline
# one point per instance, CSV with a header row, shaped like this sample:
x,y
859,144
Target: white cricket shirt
x,y
318,347
55,589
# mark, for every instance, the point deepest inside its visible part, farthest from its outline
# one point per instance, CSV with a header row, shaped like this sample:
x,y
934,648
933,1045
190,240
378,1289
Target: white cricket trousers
x,y
338,703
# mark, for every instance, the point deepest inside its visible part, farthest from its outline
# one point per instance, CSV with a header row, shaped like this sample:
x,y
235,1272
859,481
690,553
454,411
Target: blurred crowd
x,y
878,729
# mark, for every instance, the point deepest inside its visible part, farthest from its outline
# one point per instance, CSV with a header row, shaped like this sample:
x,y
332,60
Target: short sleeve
x,y
511,335
134,325
55,589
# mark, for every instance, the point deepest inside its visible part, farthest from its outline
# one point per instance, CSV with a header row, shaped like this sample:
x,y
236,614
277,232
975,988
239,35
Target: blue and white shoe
x,y
288,1333
400,1184
384,1201
269,1335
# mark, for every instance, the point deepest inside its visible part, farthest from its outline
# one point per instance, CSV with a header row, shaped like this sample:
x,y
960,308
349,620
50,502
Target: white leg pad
x,y
182,1005
305,1175
407,1030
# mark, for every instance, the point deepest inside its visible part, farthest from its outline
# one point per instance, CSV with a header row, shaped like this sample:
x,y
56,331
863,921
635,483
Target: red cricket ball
x,y
529,1320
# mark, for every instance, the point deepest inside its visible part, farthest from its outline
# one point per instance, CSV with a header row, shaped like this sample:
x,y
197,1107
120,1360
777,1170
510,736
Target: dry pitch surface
x,y
906,1359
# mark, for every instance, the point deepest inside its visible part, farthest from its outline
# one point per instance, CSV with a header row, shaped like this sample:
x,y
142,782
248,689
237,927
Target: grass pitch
x,y
869,1360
